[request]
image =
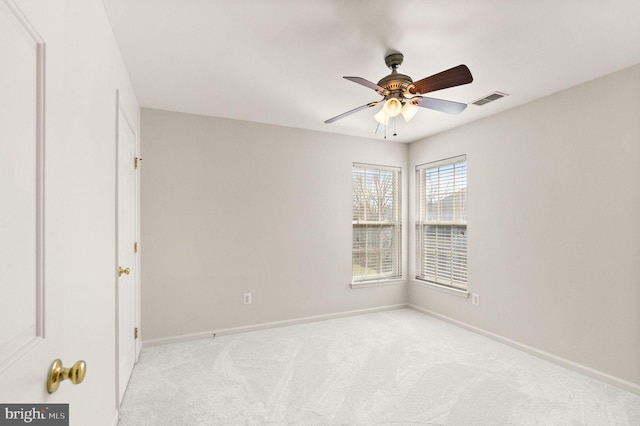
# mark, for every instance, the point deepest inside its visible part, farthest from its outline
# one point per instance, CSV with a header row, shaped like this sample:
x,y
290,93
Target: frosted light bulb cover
x,y
381,117
392,107
409,110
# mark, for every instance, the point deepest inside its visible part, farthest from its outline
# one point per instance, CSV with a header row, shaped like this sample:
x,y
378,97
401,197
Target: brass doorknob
x,y
58,373
123,271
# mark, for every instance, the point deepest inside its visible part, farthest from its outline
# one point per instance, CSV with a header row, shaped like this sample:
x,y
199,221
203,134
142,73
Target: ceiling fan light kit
x,y
402,96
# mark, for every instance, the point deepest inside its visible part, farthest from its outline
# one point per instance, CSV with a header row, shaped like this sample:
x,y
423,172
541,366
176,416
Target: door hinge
x,y
135,333
135,247
136,160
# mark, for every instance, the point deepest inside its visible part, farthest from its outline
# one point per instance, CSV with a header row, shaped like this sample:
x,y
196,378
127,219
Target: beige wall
x,y
230,207
554,224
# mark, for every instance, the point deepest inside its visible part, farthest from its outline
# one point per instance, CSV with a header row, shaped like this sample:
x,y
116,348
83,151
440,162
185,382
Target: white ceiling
x,y
282,61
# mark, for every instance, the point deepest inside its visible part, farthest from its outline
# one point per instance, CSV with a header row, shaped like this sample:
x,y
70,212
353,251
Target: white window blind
x,y
441,225
376,248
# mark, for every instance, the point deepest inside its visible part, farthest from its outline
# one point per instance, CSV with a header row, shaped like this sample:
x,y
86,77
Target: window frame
x,y
395,223
435,256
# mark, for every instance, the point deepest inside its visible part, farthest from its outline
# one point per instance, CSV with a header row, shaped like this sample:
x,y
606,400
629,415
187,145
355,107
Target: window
x,y
376,249
441,224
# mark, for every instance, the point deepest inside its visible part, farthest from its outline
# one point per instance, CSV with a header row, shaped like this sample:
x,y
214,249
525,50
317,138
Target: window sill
x,y
377,283
441,288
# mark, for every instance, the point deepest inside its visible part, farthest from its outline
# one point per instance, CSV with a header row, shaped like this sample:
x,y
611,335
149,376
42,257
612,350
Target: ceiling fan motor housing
x,y
395,83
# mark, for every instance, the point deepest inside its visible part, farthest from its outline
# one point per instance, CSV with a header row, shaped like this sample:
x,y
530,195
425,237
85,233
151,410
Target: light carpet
x,y
389,368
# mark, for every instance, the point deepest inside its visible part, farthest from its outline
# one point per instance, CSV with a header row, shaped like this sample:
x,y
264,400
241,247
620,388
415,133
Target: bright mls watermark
x,y
34,414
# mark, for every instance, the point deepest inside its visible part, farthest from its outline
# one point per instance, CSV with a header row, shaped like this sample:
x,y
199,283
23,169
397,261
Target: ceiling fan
x,y
401,95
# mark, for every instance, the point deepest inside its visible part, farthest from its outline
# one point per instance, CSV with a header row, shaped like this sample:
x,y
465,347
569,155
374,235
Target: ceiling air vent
x,y
489,98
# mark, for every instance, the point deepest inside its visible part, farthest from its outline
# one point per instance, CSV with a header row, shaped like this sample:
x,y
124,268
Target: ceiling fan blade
x,y
368,84
441,105
452,77
344,114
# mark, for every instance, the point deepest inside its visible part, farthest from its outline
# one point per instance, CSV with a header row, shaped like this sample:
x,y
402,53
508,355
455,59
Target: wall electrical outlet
x,y
475,299
247,298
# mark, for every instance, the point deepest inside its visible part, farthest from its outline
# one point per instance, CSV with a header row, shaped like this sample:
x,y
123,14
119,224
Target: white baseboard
x,y
262,326
587,371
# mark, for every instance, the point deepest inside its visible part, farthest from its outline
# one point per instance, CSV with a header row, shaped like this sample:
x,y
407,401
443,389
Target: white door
x,y
31,283
127,249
